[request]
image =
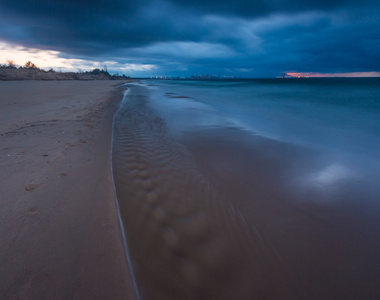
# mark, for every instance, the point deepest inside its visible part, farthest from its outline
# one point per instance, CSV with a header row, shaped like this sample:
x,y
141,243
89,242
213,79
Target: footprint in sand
x,y
31,187
32,211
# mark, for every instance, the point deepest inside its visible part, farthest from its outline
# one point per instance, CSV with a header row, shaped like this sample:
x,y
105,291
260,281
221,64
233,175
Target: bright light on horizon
x,y
42,58
325,75
51,59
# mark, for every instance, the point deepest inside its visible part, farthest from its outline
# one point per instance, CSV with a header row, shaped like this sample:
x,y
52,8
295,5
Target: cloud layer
x,y
263,38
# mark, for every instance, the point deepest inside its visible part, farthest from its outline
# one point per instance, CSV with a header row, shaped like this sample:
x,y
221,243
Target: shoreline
x,y
121,223
61,236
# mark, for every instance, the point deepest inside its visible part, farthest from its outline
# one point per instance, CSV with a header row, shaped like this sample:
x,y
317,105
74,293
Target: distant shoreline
x,y
11,74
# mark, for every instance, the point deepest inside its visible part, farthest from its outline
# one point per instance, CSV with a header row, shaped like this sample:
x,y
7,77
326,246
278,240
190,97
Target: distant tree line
x,y
29,65
11,65
105,72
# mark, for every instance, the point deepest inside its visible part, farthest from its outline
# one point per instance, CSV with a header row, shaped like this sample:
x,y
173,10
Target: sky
x,y
143,38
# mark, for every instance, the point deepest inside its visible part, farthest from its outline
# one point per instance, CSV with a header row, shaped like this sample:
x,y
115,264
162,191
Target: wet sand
x,y
60,235
217,213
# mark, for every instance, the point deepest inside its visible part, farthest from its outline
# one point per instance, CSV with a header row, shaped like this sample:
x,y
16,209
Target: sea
x,y
251,188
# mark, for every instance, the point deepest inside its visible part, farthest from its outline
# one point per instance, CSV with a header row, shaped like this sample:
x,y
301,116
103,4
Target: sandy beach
x,y
60,235
210,210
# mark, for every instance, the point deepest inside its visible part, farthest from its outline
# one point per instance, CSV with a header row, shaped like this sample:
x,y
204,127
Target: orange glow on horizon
x,y
322,75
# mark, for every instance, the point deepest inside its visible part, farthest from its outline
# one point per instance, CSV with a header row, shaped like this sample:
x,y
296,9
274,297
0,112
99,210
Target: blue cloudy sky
x,y
257,38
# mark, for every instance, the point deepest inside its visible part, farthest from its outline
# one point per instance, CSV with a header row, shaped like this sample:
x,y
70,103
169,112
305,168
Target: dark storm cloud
x,y
251,36
248,8
97,25
94,26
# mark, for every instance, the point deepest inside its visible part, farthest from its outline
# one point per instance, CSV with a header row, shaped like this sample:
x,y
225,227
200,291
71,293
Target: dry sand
x,y
60,235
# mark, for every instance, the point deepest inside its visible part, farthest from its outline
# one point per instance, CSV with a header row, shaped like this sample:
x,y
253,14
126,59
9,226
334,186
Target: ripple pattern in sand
x,y
184,242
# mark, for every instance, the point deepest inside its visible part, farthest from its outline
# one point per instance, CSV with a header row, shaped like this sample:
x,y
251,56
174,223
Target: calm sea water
x,y
338,118
251,188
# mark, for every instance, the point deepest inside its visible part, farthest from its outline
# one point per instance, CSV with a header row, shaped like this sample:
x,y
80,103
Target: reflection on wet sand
x,y
212,216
